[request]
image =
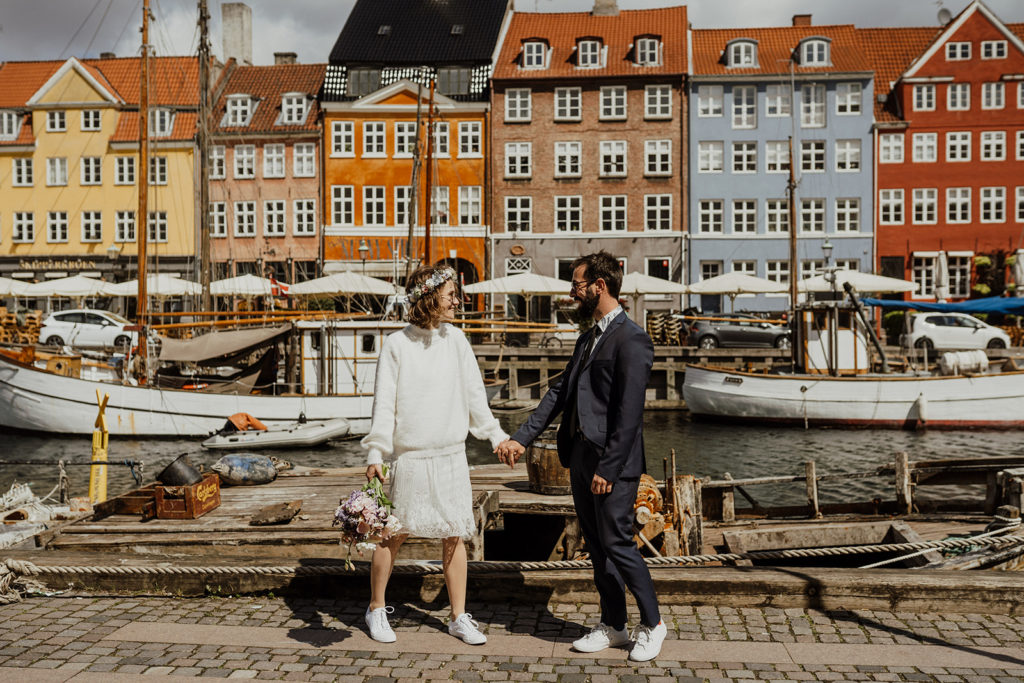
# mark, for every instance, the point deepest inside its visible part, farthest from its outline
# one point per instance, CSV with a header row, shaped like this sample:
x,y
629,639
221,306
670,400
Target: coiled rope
x,y
13,572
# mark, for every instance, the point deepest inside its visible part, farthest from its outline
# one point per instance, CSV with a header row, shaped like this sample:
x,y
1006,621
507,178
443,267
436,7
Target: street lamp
x,y
830,272
364,249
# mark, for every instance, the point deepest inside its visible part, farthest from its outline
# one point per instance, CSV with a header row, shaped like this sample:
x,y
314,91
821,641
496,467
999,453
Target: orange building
x,y
390,62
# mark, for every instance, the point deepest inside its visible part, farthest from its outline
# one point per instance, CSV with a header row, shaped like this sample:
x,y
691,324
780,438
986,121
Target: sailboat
x,y
330,366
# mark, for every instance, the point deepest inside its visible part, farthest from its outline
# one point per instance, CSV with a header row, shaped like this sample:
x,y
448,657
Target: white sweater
x,y
428,395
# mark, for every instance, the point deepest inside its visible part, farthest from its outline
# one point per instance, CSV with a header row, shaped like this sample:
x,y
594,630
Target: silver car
x,y
87,328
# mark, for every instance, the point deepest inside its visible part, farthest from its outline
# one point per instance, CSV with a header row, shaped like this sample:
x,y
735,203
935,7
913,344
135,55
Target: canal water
x,y
703,449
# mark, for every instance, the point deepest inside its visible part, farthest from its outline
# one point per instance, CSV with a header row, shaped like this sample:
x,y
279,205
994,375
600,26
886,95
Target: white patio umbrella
x,y
345,282
733,284
862,282
942,277
1018,272
76,286
160,285
242,285
637,284
527,285
9,287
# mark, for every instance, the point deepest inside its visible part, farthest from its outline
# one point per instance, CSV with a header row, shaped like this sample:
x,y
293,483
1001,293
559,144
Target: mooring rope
x,y
13,572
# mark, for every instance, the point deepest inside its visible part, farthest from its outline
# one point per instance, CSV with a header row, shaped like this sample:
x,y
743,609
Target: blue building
x,y
751,92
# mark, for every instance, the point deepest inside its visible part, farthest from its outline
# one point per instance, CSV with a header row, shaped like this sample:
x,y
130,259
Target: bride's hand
x,y
374,471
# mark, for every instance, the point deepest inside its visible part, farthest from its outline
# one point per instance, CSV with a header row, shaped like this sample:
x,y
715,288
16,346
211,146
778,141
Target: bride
x,y
428,395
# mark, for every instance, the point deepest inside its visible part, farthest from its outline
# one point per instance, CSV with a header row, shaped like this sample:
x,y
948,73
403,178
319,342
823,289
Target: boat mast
x,y
791,192
204,151
429,199
414,183
142,223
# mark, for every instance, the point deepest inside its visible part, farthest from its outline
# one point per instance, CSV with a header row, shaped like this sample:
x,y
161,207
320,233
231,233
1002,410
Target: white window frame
x,y
657,212
958,146
657,102
157,226
744,106
56,171
442,140
402,194
23,230
814,52
993,145
993,96
744,217
993,203
275,218
924,97
568,104
442,214
535,55
1019,210
56,121
92,226
926,148
304,160
710,156
238,111
922,269
294,108
161,122
273,160
218,220
10,125
343,139
518,105
405,139
812,216
57,227
244,215
890,207
343,205
613,213
711,216
568,159
776,155
925,206
658,158
518,160
90,171
375,206
778,101
742,54
958,205
1020,145
568,215
777,272
993,49
217,160
890,148
710,101
648,51
614,103
848,214
244,161
812,156
519,207
589,54
125,227
614,160
375,140
848,156
471,144
470,205
813,99
22,172
958,97
849,99
92,120
958,51
744,157
776,216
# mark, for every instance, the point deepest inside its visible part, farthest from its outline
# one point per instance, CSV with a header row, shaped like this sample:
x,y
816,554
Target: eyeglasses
x,y
581,284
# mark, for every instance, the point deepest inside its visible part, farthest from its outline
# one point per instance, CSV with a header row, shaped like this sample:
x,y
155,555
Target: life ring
x,y
196,386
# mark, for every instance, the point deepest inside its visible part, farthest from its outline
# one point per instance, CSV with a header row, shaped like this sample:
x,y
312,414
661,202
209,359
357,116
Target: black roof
x,y
422,32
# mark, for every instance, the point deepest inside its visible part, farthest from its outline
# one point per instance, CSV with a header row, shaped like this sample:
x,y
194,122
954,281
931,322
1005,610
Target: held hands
x,y
509,451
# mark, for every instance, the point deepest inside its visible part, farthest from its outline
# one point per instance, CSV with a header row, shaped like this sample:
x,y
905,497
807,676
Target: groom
x,y
601,399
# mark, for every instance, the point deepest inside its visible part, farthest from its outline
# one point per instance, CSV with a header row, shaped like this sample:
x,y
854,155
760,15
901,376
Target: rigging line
x,y
99,25
130,15
80,27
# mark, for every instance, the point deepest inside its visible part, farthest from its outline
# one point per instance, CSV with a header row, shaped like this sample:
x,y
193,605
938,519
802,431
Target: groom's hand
x,y
509,451
599,485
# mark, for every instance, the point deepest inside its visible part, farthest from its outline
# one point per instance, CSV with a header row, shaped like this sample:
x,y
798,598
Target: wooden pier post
x,y
728,502
812,488
691,521
904,492
513,381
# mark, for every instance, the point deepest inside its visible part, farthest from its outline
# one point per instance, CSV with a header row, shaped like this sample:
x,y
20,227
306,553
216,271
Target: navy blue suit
x,y
608,391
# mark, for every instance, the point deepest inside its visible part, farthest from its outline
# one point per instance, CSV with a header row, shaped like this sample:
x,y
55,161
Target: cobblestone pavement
x,y
119,638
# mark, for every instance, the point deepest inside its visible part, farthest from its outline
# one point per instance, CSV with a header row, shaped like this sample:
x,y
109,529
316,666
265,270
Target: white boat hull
x,y
35,400
295,435
955,402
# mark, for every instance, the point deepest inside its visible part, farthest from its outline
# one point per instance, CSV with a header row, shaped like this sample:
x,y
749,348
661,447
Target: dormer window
x,y
588,54
648,51
239,111
9,125
814,52
362,81
535,54
161,122
454,80
741,53
293,109
993,49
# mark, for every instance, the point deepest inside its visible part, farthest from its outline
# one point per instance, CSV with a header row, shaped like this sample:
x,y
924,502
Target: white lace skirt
x,y
432,495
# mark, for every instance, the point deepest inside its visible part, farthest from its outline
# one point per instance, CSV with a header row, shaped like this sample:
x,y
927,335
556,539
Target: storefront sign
x,y
57,264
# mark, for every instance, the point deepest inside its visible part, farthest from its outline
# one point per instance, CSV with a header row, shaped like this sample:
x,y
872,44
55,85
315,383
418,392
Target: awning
x,y
992,304
219,345
377,268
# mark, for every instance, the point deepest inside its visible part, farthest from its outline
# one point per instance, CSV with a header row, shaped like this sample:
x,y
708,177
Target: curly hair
x,y
427,311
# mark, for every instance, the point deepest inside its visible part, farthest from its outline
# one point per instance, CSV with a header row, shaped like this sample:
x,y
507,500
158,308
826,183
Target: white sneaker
x,y
648,642
377,622
601,637
464,627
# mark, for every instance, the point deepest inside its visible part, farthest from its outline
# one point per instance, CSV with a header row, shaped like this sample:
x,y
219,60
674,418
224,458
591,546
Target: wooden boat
x,y
301,434
834,384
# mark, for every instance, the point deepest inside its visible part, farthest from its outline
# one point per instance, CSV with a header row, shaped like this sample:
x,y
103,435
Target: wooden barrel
x,y
546,473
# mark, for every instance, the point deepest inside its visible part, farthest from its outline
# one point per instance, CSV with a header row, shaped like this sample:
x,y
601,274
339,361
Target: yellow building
x,y
69,167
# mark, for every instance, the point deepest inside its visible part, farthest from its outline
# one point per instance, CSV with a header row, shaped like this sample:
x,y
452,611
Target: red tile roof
x,y
267,84
25,137
128,127
618,33
775,48
891,52
19,81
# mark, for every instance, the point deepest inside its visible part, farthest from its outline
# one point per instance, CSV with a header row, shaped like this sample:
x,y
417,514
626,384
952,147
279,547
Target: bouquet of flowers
x,y
365,514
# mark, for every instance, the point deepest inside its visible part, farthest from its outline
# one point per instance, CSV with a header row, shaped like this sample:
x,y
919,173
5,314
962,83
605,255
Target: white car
x,y
952,331
87,328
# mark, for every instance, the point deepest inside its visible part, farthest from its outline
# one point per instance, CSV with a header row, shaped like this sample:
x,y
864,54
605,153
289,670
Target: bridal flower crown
x,y
438,278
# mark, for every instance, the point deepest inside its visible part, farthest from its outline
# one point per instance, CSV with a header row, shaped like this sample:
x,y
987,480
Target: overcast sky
x,y
57,29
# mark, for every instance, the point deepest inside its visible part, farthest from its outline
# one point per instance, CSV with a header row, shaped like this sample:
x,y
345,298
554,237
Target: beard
x,y
585,307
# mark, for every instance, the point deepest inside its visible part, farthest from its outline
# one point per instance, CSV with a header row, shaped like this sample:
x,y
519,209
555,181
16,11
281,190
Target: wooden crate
x,y
188,502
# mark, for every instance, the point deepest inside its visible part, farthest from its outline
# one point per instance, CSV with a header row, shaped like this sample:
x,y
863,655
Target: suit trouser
x,y
606,521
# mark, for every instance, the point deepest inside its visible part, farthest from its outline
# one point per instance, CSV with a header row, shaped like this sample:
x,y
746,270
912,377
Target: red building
x,y
949,151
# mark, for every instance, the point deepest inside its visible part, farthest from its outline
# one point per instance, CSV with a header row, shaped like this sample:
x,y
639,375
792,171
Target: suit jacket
x,y
611,388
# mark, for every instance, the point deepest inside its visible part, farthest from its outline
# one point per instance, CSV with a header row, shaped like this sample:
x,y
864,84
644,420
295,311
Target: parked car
x,y
737,329
87,328
951,331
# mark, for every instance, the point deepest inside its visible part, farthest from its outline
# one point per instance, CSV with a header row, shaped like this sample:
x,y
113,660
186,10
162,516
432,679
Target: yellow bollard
x,y
100,439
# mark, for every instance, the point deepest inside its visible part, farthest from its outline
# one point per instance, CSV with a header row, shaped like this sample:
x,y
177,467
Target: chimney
x,y
107,55
285,58
801,20
605,8
236,20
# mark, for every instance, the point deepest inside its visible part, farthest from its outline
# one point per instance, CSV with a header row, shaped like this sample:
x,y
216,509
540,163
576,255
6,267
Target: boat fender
x,y
245,469
921,405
